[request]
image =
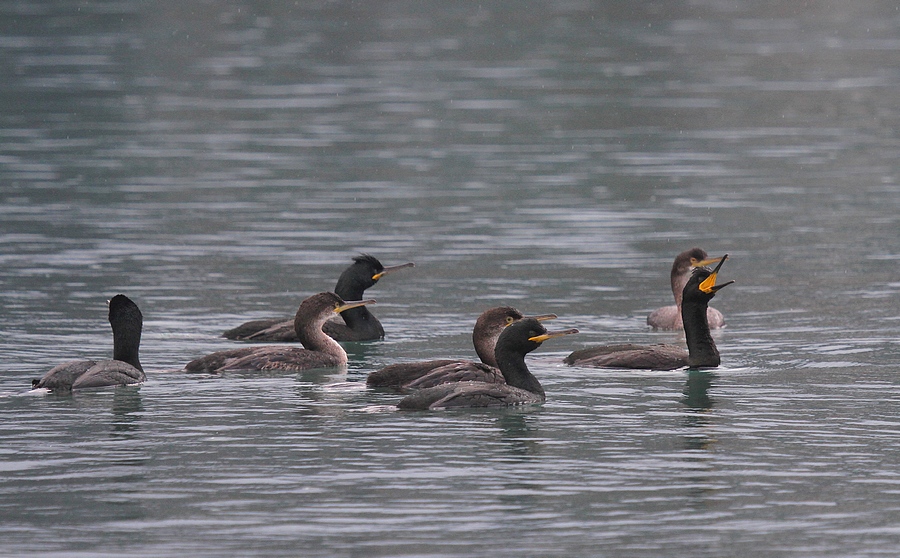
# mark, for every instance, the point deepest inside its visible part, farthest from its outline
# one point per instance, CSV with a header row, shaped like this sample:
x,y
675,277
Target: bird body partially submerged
x,y
701,353
319,350
125,367
520,386
357,324
415,375
669,317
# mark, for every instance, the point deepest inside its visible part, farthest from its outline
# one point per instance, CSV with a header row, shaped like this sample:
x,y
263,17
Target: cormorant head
x,y
527,335
702,284
367,270
320,307
494,320
695,257
122,310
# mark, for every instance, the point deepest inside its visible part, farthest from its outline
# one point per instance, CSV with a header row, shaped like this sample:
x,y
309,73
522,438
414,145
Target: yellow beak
x,y
709,284
391,269
354,304
551,334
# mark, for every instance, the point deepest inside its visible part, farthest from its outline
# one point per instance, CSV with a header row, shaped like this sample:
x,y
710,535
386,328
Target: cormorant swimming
x,y
125,368
520,387
669,317
358,324
320,350
701,353
488,327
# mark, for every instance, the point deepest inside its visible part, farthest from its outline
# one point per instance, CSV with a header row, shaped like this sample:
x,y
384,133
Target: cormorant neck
x,y
515,371
679,280
701,347
357,319
310,334
485,342
349,287
126,344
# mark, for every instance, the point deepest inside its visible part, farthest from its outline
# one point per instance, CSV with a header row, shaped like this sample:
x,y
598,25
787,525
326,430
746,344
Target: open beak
x,y
552,334
391,269
354,304
709,284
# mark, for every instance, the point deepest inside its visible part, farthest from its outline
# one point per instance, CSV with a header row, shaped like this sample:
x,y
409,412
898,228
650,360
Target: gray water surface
x,y
218,162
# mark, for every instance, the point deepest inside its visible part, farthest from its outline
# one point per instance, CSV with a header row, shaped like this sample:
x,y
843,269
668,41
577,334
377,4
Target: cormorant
x,y
669,317
701,353
358,324
520,387
320,350
488,327
125,367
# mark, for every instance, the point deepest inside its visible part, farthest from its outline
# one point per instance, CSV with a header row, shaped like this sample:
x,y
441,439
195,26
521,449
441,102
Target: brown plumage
x,y
414,375
319,350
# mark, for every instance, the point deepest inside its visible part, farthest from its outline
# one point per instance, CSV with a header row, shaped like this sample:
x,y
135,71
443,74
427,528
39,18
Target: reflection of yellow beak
x,y
709,284
391,269
355,304
552,334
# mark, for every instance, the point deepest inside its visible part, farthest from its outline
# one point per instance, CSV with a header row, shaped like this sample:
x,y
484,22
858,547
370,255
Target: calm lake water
x,y
220,161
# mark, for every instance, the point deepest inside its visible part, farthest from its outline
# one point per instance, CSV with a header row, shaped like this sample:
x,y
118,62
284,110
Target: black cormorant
x,y
520,387
701,353
357,324
125,367
488,327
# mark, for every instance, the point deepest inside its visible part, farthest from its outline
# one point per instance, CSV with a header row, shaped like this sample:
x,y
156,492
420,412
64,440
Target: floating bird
x,y
701,353
358,324
320,350
669,317
125,368
488,327
520,386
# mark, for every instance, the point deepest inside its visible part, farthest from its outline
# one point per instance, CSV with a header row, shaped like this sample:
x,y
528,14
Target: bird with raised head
x,y
124,368
701,349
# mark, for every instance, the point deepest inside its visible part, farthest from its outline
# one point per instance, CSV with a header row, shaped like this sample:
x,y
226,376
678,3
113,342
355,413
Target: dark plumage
x,y
357,324
320,350
669,317
520,387
702,351
488,327
125,368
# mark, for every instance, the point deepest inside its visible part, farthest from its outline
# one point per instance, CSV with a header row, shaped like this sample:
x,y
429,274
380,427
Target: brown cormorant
x,y
669,317
488,327
701,353
320,350
520,387
125,368
357,324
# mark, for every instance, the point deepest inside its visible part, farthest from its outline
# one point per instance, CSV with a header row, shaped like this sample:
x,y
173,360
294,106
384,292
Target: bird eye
x,y
509,320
